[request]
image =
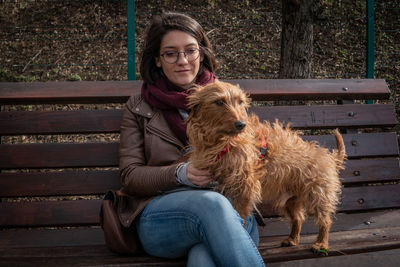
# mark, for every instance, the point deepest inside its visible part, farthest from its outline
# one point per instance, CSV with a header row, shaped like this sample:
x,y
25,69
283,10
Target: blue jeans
x,y
202,225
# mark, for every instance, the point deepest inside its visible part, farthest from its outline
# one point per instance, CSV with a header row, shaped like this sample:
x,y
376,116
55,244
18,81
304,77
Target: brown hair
x,y
160,26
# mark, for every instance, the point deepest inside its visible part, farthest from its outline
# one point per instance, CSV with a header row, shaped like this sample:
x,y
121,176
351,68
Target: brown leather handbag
x,y
119,239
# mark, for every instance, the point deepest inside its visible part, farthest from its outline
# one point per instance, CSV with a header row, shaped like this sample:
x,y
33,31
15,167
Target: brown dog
x,y
255,161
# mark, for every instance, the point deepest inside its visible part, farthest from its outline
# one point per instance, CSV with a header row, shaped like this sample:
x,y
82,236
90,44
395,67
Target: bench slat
x,y
259,89
314,89
84,260
50,213
68,92
341,243
106,154
363,145
371,170
59,122
58,183
86,212
59,155
82,182
358,199
330,116
277,226
370,197
40,238
93,236
108,121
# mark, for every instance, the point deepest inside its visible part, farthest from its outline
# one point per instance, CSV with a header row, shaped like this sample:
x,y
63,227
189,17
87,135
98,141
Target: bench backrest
x,y
55,183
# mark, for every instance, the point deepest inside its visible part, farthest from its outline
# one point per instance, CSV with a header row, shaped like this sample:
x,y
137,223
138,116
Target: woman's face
x,y
183,72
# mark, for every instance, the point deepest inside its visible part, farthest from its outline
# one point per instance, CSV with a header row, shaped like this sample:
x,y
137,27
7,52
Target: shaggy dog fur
x,y
299,178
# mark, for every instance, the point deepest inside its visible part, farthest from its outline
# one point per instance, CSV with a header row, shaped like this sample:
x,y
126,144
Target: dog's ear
x,y
194,98
193,101
192,113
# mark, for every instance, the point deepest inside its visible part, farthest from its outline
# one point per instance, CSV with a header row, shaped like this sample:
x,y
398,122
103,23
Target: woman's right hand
x,y
198,177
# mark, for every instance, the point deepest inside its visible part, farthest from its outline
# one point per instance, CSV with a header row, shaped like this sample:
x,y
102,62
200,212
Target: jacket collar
x,y
157,123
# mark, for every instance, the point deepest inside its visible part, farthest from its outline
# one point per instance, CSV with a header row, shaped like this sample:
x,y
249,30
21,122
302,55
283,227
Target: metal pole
x,y
131,40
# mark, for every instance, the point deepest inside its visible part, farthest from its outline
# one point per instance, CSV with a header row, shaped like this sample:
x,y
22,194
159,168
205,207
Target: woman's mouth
x,y
182,71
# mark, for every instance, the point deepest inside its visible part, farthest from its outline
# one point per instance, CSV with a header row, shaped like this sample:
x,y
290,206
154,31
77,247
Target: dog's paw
x,y
320,249
289,242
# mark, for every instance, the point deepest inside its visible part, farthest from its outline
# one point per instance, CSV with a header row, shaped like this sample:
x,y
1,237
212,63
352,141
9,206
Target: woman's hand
x,y
198,177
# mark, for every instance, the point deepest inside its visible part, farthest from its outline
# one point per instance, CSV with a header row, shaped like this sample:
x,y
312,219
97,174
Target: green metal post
x,y
131,40
370,41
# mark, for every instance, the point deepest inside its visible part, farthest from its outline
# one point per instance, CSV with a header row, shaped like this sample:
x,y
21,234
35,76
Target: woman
x,y
175,211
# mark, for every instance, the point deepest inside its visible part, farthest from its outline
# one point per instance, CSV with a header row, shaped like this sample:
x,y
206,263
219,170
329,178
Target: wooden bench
x,y
51,191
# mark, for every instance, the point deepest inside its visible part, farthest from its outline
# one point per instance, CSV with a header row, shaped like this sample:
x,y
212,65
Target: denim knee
x,y
215,206
199,255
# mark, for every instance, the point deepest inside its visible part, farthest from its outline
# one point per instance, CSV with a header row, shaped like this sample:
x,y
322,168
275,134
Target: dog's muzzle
x,y
240,125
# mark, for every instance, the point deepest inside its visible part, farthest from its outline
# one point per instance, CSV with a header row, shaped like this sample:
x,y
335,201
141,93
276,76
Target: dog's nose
x,y
240,125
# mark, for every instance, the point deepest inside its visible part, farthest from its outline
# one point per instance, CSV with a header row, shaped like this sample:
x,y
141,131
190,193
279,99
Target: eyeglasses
x,y
172,57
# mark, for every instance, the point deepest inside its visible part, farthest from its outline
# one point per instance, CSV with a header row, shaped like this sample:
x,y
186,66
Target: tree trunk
x,y
297,39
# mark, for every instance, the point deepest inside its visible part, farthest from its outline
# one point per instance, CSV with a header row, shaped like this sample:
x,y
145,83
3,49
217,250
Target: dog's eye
x,y
241,102
219,103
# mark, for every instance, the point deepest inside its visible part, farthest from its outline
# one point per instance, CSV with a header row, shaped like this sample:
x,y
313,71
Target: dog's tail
x,y
341,150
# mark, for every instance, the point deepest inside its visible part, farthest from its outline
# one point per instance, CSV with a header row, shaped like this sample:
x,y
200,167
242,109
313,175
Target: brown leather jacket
x,y
148,154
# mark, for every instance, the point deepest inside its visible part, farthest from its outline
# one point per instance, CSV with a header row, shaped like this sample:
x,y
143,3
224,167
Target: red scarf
x,y
169,98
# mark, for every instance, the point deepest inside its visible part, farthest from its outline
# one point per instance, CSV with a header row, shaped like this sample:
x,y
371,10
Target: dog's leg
x,y
244,205
247,198
294,210
243,208
321,245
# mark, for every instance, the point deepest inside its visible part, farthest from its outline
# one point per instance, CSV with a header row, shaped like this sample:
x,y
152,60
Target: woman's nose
x,y
182,59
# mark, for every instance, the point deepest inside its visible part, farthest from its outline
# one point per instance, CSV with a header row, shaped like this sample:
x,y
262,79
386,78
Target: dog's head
x,y
218,109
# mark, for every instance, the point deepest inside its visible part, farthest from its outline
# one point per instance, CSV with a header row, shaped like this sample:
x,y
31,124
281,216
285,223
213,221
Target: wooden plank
x,y
341,243
59,122
361,198
259,89
314,89
370,197
83,259
97,182
93,236
58,183
341,222
371,171
50,213
108,121
388,258
58,155
362,145
41,238
106,154
68,92
330,116
100,260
